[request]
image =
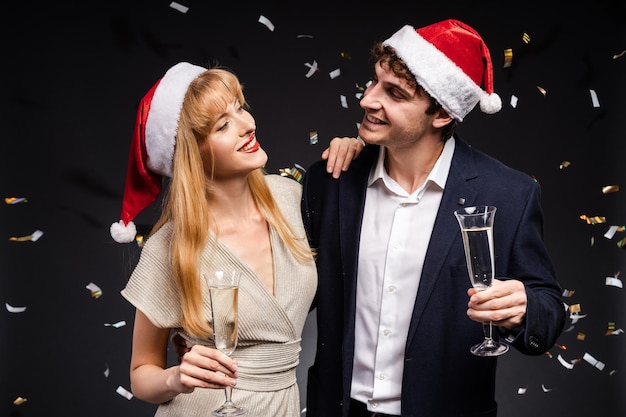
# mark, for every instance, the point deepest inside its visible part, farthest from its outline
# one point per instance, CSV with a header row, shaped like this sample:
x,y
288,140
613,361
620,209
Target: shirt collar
x,y
438,175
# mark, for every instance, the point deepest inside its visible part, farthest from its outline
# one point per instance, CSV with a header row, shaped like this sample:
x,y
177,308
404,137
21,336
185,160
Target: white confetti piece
x,y
593,361
594,98
12,309
344,101
613,281
116,325
611,232
264,20
312,68
107,372
124,392
545,389
96,292
334,74
179,7
575,317
514,101
566,364
522,390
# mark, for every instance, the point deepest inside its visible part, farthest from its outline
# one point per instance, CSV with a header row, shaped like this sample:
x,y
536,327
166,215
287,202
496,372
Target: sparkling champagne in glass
x,y
477,230
223,294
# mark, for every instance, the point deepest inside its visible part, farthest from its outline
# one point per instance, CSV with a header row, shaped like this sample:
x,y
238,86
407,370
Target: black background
x,y
72,76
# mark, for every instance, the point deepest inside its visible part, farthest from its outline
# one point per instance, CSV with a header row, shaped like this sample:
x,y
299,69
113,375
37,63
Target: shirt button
x,y
386,332
391,288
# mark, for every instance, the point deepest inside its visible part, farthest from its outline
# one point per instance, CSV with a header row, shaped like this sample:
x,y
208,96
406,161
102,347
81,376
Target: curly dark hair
x,y
387,56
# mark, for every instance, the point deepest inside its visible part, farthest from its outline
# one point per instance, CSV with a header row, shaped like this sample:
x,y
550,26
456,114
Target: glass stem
x,y
229,392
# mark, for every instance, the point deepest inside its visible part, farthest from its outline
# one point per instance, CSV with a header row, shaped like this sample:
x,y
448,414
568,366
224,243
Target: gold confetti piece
x,y
526,38
294,172
96,292
139,240
19,401
313,138
565,164
562,347
610,189
568,293
581,336
575,308
34,237
346,55
619,55
15,200
508,57
12,309
593,220
179,7
542,90
265,21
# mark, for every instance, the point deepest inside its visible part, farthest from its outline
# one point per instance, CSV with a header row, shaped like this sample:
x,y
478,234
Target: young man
x,y
394,314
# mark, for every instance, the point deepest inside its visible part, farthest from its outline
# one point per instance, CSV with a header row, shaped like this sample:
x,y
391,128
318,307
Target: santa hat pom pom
x,y
490,103
122,233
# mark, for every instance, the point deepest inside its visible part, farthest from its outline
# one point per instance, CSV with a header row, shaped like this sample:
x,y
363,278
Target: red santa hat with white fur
x,y
451,61
152,147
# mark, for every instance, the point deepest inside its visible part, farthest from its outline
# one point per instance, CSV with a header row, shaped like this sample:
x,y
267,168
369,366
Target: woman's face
x,y
233,143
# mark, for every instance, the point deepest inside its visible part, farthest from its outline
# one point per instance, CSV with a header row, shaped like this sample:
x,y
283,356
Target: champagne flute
x,y
223,295
477,229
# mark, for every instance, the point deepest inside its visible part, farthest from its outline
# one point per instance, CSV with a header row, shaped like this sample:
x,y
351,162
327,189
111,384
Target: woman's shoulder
x,y
280,184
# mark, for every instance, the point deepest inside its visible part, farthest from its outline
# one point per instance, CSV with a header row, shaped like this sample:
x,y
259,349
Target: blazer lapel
x,y
458,192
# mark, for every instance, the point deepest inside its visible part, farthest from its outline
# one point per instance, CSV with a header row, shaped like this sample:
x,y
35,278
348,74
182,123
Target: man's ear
x,y
441,119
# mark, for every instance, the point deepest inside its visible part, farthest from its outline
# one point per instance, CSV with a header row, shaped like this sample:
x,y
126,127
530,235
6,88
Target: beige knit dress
x,y
270,326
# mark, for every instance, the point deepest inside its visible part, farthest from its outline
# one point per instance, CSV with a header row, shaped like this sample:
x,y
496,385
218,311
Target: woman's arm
x,y
151,381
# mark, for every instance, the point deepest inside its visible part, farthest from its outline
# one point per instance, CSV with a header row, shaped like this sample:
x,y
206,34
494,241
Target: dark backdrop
x,y
72,76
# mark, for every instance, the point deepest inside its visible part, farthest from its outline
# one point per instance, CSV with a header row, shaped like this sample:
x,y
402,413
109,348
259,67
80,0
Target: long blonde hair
x,y
187,202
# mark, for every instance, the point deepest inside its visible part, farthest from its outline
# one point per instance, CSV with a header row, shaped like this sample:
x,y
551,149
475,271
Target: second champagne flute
x,y
223,295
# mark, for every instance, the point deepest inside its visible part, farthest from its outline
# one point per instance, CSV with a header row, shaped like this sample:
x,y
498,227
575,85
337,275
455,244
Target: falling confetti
x,y
526,38
542,90
508,57
522,390
312,69
594,98
610,189
334,74
19,401
265,21
613,282
593,220
179,7
568,293
116,325
593,361
12,309
514,101
96,292
344,101
294,172
564,164
124,392
346,55
15,200
313,138
34,237
619,55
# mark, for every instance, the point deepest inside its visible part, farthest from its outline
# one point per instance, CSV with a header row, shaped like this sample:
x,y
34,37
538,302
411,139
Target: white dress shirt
x,y
395,232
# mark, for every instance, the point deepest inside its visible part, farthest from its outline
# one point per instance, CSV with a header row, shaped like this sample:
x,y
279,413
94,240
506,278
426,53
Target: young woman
x,y
221,211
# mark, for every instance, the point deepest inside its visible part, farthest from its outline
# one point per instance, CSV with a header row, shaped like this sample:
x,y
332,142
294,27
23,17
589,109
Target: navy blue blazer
x,y
441,377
